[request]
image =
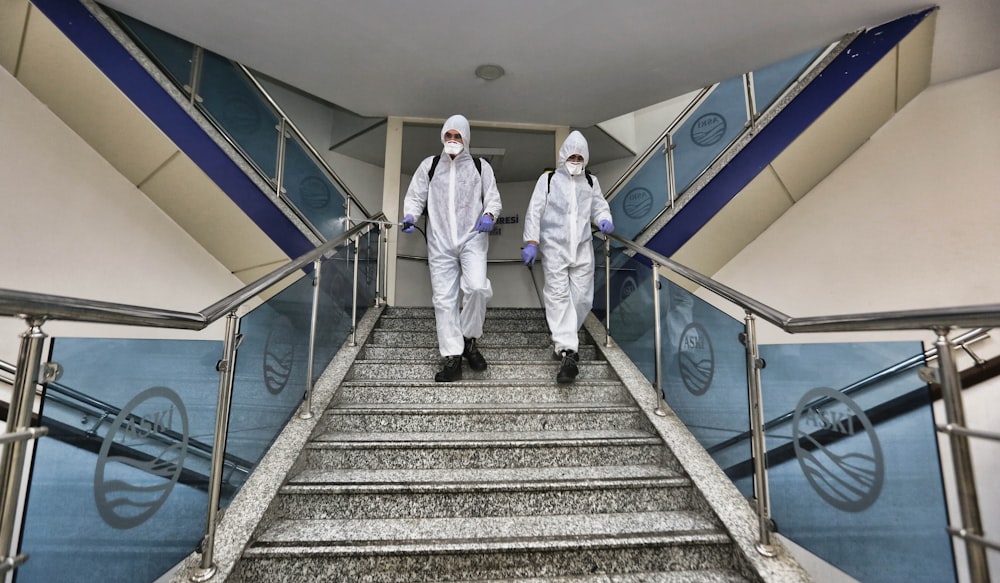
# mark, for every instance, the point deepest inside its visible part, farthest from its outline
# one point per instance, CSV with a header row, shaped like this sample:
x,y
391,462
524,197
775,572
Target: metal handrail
x,y
939,320
918,319
302,139
51,307
36,309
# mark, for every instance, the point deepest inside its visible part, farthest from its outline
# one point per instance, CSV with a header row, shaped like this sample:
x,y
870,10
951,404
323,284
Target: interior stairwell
x,y
503,476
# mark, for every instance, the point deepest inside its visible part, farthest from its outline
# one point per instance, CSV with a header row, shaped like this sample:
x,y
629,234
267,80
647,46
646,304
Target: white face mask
x,y
574,168
453,148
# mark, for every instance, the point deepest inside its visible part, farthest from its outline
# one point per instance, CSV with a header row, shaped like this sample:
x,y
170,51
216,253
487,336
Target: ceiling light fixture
x,y
489,72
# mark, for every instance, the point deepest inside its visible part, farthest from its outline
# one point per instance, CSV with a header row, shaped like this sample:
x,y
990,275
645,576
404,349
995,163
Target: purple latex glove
x,y
529,254
485,224
408,222
606,226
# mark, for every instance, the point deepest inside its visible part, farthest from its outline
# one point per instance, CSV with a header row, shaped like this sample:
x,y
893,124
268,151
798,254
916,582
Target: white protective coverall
x,y
456,197
559,219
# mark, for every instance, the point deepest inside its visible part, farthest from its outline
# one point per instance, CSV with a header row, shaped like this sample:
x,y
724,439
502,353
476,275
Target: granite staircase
x,y
503,476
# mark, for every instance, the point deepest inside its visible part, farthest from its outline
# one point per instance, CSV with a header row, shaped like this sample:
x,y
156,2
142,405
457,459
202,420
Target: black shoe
x,y
452,370
559,355
471,352
568,371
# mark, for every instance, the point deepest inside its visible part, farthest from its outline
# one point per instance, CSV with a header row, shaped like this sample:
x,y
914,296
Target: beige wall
x,y
72,225
909,221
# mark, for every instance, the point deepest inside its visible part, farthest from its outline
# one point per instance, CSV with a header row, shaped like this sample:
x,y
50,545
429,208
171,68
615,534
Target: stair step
x,y
490,325
700,576
485,450
394,312
324,494
500,353
465,478
479,391
422,417
497,370
429,338
491,532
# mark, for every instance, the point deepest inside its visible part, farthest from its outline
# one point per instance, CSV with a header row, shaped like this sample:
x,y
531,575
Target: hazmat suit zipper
x,y
574,232
452,208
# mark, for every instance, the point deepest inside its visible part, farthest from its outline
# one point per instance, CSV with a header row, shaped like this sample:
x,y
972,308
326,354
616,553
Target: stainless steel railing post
x,y
965,480
227,369
306,412
29,360
607,292
758,450
354,302
378,265
661,404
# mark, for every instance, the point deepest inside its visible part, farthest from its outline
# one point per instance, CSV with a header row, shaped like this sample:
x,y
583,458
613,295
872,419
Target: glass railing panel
x,y
231,100
703,362
272,360
719,120
771,81
173,55
118,488
312,191
855,475
642,198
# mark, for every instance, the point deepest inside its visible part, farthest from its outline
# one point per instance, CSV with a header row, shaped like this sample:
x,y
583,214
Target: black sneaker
x,y
452,370
568,370
471,352
559,355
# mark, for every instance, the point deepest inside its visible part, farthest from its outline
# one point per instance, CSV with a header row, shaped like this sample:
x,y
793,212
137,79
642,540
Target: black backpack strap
x,y
551,172
434,164
430,171
590,178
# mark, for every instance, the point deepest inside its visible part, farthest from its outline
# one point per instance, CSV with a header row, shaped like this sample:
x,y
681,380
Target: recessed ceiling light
x,y
489,72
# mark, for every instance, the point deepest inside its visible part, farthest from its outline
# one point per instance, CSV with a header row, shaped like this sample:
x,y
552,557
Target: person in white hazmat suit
x,y
557,223
462,202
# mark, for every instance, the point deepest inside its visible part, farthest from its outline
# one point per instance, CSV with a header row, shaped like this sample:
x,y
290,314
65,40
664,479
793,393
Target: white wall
x,y
71,225
909,221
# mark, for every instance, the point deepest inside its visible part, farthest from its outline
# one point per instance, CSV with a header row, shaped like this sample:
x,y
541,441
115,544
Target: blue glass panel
x,y
272,362
772,80
710,129
312,191
855,478
236,107
118,489
703,362
171,53
642,198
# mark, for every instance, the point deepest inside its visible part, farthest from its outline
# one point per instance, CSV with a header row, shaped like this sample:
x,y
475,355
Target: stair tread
x,y
478,533
478,383
699,576
405,478
498,408
518,438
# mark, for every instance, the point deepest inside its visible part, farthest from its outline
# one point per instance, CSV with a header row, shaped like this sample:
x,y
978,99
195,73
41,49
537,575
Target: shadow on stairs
x,y
503,476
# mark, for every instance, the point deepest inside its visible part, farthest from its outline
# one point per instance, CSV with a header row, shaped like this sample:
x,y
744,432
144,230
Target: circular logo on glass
x,y
638,202
708,129
696,359
138,466
838,450
315,193
279,354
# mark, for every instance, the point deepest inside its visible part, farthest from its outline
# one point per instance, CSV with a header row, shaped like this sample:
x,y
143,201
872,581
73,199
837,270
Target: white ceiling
x,y
573,63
